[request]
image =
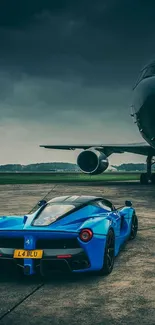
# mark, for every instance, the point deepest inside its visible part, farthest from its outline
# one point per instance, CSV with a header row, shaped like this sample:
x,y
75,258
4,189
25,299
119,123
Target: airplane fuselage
x,y
144,104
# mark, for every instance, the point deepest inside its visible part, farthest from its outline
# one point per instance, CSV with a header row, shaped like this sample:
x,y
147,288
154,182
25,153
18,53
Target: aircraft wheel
x,y
153,178
143,179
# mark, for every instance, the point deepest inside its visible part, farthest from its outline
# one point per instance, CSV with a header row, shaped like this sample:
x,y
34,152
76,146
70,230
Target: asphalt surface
x,y
126,296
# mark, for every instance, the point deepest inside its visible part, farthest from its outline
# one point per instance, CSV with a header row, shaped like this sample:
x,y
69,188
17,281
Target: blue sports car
x,y
67,233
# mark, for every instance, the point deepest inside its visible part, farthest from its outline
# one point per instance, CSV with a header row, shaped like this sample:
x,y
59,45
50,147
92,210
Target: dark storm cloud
x,y
71,56
54,101
66,72
100,42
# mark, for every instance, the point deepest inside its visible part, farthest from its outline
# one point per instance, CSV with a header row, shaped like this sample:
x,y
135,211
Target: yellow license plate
x,y
22,253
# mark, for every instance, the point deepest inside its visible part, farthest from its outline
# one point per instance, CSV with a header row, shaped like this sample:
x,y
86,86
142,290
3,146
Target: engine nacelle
x,y
92,162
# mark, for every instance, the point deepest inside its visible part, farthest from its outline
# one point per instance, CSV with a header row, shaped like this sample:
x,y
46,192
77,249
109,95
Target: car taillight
x,y
86,235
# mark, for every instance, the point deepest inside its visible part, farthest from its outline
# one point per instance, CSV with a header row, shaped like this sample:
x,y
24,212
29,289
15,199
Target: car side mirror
x,y
42,202
128,203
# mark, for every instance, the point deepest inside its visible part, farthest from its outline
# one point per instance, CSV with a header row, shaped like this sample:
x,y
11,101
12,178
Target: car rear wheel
x,y
134,227
109,254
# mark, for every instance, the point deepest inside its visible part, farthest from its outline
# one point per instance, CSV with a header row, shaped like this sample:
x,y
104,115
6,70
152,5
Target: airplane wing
x,y
108,149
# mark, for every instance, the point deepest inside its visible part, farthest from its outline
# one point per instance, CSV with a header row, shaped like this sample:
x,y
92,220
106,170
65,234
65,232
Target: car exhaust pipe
x,y
27,270
85,263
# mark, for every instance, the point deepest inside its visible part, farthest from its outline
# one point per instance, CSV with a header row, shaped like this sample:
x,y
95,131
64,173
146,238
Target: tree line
x,y
132,167
39,167
67,167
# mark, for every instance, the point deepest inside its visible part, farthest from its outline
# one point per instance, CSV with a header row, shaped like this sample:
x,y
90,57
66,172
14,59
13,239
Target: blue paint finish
x,y
97,219
95,251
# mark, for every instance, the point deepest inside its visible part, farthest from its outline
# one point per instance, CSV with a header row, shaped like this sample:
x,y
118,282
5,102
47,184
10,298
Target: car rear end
x,y
46,251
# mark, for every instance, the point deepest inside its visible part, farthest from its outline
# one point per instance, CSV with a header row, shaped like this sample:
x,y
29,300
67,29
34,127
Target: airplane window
x,y
150,71
141,76
147,72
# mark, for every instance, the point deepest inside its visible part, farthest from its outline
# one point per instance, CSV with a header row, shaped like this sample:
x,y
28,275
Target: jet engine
x,y
92,162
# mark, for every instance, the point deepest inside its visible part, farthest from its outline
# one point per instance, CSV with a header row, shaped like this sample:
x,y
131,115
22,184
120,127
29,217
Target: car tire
x,y
134,227
109,254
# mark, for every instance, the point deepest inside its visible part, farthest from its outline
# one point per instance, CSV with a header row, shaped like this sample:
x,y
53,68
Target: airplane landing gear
x,y
144,179
148,177
153,178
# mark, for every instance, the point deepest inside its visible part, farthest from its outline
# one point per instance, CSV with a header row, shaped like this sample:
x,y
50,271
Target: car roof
x,y
76,199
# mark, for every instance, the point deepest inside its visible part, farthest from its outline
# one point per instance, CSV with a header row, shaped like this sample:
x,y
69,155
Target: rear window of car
x,y
51,213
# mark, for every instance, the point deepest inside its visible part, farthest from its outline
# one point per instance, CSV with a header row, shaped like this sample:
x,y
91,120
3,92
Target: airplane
x,y
94,158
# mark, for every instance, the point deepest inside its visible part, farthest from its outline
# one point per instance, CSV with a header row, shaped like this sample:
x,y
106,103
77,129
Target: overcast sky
x,y
66,74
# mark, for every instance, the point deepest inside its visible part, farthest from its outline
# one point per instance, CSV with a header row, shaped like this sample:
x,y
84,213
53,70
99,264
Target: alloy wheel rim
x,y
110,251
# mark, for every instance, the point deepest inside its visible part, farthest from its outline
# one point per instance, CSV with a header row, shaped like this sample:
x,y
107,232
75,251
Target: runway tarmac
x,y
127,296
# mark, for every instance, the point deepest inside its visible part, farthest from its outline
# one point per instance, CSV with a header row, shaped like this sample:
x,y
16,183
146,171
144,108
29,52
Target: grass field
x,y
40,178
